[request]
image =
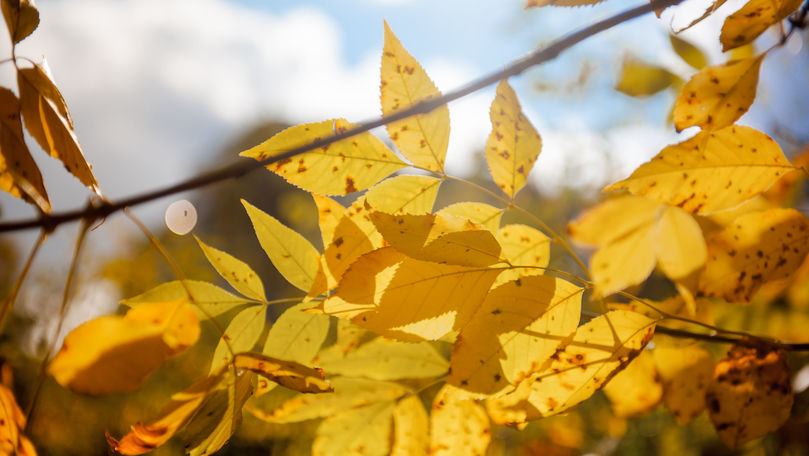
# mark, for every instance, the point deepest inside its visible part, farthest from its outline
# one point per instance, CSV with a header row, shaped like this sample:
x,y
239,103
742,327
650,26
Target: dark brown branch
x,y
51,221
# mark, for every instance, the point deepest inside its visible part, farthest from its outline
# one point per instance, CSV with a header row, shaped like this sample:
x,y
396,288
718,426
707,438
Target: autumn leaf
x,y
12,424
711,172
717,96
404,195
19,173
344,167
49,122
513,145
297,335
114,353
581,365
22,18
685,373
688,52
361,431
640,79
385,359
525,248
241,335
636,389
422,138
290,374
755,249
750,394
516,329
211,299
354,235
753,19
291,254
679,244
458,426
378,291
481,213
411,434
442,239
237,273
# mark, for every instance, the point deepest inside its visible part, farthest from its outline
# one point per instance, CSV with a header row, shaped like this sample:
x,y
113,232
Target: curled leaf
x,y
290,374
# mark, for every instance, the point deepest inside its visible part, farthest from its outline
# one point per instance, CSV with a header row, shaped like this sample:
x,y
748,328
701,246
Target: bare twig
x,y
538,57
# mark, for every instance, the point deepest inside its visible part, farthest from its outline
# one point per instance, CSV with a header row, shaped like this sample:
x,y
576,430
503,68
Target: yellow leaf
x,y
442,239
753,19
613,219
480,213
290,374
410,428
362,431
513,145
750,394
623,263
757,248
348,393
241,335
641,79
344,167
113,353
329,213
516,329
48,120
238,274
378,292
12,423
404,195
458,426
523,246
423,138
713,171
22,18
291,254
679,243
214,300
717,96
354,236
685,373
297,335
385,359
636,389
688,52
19,173
580,366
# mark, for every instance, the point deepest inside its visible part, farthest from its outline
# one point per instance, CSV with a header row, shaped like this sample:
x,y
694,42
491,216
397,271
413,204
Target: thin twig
x,y
241,168
8,304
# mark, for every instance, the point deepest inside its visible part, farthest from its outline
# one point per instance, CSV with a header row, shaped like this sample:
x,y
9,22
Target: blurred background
x,y
161,90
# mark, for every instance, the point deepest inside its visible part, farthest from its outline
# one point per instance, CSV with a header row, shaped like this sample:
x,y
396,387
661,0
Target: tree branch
x,y
51,221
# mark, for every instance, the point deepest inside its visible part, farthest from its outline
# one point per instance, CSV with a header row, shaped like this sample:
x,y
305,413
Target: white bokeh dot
x,y
181,216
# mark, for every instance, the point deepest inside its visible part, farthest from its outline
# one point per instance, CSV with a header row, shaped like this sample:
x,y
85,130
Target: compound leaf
x,y
238,274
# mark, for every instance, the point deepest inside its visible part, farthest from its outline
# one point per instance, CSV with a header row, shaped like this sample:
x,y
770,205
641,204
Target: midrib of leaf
x,y
290,253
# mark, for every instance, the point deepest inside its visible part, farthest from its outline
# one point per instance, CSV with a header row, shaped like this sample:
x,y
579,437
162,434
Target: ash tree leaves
x,y
458,425
639,78
513,145
22,18
236,272
753,19
685,373
423,138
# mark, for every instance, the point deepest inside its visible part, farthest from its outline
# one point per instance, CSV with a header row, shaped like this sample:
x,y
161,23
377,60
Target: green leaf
x,y
211,299
238,274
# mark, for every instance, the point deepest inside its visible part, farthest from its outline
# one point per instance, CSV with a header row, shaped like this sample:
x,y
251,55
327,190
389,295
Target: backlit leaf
x,y
19,173
378,293
47,119
623,263
636,389
238,274
404,195
290,374
516,330
513,145
297,335
580,366
291,254
344,167
241,335
12,423
214,300
348,393
750,394
22,18
423,138
685,373
458,426
640,79
753,19
523,245
329,214
114,353
480,213
442,239
411,434
710,172
385,359
362,431
688,52
679,243
354,236
717,96
757,248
